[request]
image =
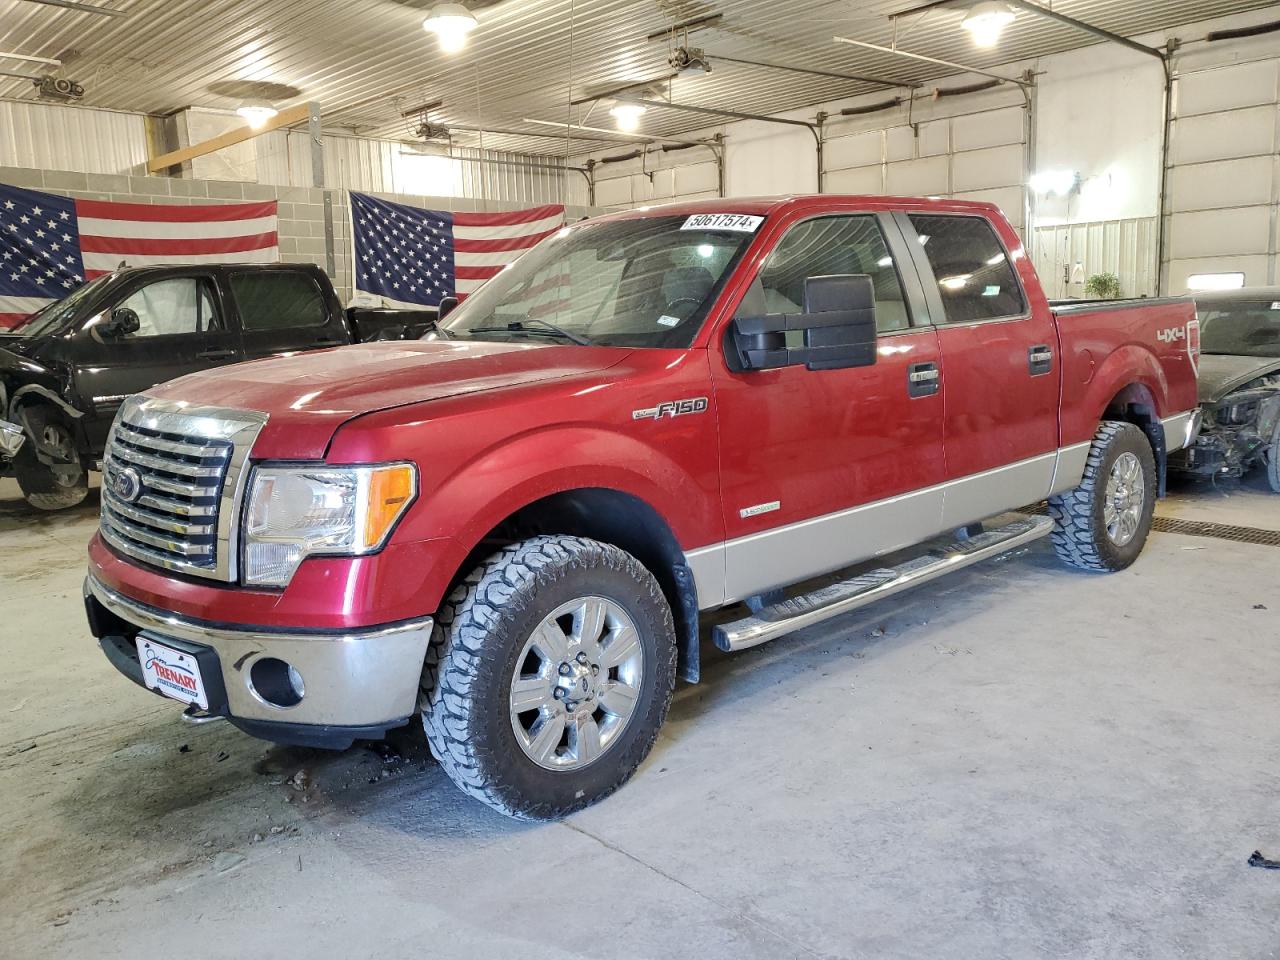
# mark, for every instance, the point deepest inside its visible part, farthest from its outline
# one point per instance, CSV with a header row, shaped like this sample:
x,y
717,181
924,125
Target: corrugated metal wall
x,y
45,136
388,166
1066,255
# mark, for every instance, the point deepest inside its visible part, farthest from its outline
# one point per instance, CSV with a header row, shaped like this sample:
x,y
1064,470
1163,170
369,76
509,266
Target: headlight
x,y
297,512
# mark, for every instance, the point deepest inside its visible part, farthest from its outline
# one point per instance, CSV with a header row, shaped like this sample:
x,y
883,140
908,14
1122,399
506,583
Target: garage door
x,y
1224,176
978,155
692,174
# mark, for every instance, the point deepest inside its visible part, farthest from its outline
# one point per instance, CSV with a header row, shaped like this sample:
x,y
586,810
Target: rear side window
x,y
975,278
278,301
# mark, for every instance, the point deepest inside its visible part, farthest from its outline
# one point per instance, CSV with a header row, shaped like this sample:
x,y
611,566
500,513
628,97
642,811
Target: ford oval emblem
x,y
127,484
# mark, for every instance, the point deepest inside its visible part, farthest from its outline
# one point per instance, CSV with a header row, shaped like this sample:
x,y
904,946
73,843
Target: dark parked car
x,y
1239,385
66,370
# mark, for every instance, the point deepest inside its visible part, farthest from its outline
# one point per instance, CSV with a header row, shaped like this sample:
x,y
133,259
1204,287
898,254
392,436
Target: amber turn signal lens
x,y
391,489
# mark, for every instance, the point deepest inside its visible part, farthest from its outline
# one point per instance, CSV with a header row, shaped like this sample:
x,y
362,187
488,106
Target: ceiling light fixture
x,y
256,113
627,116
986,21
450,22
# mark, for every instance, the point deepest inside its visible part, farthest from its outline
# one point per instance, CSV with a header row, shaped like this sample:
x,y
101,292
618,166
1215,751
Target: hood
x,y
1222,373
307,396
14,362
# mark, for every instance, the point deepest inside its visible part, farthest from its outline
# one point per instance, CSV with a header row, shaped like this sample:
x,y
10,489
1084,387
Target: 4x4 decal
x,y
671,408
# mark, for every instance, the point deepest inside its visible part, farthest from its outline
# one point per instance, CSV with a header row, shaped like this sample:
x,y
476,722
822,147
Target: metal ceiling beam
x,y
881,81
684,26
878,48
1048,14
82,7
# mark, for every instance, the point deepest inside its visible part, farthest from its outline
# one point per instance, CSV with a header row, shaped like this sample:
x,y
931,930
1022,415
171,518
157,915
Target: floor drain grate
x,y
1219,531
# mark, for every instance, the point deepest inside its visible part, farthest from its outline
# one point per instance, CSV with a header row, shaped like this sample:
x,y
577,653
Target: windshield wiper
x,y
518,326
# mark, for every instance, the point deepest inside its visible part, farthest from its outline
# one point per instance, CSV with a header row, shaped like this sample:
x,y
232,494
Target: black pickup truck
x,y
65,370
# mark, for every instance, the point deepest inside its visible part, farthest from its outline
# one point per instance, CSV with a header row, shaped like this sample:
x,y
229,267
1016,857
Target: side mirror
x,y
447,305
123,322
838,324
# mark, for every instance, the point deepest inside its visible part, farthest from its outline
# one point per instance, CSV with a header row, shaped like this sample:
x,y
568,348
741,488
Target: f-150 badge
x,y
671,408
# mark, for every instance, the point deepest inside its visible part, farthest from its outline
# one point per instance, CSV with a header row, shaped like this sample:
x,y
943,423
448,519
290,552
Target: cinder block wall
x,y
301,210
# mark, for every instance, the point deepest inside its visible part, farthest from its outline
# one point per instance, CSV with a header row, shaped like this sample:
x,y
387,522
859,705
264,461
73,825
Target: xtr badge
x,y
671,408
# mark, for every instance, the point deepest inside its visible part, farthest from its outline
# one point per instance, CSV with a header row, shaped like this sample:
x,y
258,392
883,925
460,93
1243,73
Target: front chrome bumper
x,y
358,679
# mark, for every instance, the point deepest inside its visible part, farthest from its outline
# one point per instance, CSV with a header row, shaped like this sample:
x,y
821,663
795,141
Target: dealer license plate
x,y
171,672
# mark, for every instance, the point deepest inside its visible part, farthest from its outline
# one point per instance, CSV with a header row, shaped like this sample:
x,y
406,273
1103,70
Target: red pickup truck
x,y
512,526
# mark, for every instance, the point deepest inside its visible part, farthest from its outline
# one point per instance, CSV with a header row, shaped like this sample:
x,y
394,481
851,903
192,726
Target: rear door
x,y
1000,367
821,468
283,311
183,328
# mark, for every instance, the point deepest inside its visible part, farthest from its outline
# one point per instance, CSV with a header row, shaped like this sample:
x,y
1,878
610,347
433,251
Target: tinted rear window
x,y
278,301
975,278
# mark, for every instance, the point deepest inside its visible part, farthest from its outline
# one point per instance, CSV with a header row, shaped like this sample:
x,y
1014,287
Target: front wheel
x,y
550,672
1103,524
45,487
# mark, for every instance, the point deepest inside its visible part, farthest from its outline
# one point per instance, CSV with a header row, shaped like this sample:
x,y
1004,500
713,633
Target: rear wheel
x,y
1103,524
48,487
550,671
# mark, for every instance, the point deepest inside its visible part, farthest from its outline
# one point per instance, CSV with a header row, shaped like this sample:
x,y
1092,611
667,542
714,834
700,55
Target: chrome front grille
x,y
172,479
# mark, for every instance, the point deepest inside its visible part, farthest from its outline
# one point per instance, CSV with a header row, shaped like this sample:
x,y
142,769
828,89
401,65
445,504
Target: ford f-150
x,y
511,527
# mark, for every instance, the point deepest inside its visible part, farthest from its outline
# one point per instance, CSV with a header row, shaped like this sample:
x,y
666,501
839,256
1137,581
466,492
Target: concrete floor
x,y
1022,761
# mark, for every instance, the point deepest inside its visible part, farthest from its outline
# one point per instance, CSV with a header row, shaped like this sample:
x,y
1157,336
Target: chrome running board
x,y
789,616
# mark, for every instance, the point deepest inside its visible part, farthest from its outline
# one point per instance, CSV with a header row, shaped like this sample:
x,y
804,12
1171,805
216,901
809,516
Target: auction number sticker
x,y
740,222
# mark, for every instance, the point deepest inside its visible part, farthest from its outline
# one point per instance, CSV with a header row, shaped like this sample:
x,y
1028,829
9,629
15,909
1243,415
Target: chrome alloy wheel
x,y
576,683
1126,495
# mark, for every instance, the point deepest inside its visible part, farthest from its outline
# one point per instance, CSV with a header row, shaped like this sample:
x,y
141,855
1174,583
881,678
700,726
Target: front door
x,y
823,468
181,329
1001,377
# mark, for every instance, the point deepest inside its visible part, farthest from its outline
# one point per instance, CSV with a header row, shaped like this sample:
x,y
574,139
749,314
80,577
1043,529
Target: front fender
x,y
496,483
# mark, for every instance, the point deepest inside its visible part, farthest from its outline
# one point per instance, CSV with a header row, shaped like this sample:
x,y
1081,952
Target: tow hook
x,y
194,714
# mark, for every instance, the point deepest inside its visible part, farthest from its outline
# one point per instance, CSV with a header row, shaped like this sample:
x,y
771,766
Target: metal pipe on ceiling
x,y
646,137
809,71
1039,11
878,48
82,7
30,59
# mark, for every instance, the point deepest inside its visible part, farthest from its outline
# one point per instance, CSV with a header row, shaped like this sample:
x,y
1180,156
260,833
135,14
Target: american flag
x,y
409,257
49,245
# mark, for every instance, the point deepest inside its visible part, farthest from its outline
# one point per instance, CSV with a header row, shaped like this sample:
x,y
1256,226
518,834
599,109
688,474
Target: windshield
x,y
1246,328
626,283
50,318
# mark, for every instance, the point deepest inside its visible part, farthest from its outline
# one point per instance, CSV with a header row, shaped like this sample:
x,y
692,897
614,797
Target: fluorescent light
x,y
256,113
986,21
885,262
705,250
450,22
1215,281
1054,182
955,283
627,116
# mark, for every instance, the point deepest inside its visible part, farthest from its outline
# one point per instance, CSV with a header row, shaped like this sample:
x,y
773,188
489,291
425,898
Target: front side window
x,y
975,278
182,305
629,283
278,300
1245,328
831,246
